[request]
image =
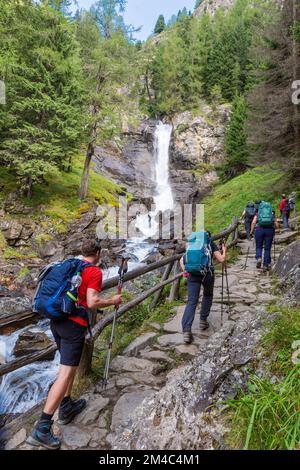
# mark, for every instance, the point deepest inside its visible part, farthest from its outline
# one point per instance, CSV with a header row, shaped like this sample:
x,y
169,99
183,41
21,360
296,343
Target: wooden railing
x,y
171,275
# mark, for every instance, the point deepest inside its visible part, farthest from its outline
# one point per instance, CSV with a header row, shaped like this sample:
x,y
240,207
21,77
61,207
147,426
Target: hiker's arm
x,y
182,264
254,221
94,300
221,257
243,215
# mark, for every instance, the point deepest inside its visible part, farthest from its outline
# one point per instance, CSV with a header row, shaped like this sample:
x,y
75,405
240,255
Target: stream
x,y
22,389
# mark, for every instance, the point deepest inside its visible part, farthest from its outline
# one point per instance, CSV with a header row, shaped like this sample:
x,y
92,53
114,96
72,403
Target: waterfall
x,y
163,198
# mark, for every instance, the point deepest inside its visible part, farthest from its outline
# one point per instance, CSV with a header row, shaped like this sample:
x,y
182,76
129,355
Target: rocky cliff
x,y
211,6
196,148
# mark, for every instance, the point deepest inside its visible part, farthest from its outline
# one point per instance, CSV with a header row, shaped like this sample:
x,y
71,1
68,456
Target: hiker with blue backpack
x,y
263,225
248,216
197,264
66,291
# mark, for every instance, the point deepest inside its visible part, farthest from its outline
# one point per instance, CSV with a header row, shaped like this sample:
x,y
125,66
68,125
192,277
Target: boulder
x,y
138,344
75,438
30,342
51,249
13,231
288,258
11,306
16,440
2,352
126,405
133,364
92,412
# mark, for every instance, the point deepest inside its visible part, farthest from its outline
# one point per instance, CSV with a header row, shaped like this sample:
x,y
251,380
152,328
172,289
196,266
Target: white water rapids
x,y
22,389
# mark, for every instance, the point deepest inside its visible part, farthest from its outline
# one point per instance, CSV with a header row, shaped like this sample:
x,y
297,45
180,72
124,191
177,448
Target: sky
x,y
145,12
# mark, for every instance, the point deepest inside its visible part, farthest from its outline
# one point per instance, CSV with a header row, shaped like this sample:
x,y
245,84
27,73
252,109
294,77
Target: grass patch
x,y
59,193
267,416
12,253
230,199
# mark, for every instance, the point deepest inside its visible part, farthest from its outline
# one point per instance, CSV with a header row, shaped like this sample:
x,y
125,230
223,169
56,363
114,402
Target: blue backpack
x,y
56,293
198,257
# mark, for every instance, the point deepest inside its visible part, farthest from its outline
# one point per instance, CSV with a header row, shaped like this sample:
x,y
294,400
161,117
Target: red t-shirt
x,y
282,205
91,278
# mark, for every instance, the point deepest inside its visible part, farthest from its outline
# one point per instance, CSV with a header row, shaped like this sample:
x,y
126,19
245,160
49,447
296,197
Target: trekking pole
x,y
246,262
222,296
122,271
274,248
222,288
227,289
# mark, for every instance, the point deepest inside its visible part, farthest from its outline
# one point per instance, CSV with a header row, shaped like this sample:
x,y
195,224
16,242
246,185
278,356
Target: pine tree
x,y
109,72
236,148
40,126
160,25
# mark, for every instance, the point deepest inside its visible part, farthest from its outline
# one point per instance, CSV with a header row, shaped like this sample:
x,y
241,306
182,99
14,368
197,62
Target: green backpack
x,y
265,215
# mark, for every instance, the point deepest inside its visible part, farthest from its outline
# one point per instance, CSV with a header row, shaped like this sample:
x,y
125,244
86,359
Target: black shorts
x,y
69,337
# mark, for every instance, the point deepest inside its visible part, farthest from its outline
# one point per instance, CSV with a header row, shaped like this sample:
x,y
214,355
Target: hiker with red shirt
x,y
283,207
69,336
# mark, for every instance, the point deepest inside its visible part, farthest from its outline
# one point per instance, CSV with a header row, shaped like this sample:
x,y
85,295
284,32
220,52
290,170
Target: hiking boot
x,y
204,325
69,410
258,264
187,337
42,436
267,268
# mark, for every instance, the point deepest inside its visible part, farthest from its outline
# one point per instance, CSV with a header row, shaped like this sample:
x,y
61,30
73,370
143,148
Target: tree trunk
x,y
85,175
28,187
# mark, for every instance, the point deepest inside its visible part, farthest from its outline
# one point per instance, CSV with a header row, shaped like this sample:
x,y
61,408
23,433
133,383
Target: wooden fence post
x,y
165,276
174,294
88,349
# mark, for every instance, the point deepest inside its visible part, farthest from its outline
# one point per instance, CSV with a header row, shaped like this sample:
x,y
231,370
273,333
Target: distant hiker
x,y
149,220
248,216
264,224
291,205
198,263
284,211
292,202
257,204
69,334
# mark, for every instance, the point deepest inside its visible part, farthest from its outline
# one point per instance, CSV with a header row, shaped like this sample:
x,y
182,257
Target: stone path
x,y
158,355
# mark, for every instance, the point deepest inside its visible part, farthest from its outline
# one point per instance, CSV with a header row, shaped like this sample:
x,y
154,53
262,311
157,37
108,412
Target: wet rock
x,y
12,306
29,342
139,343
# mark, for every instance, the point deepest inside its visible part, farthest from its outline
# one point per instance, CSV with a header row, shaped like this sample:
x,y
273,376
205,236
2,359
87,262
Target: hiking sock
x,y
46,417
44,423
